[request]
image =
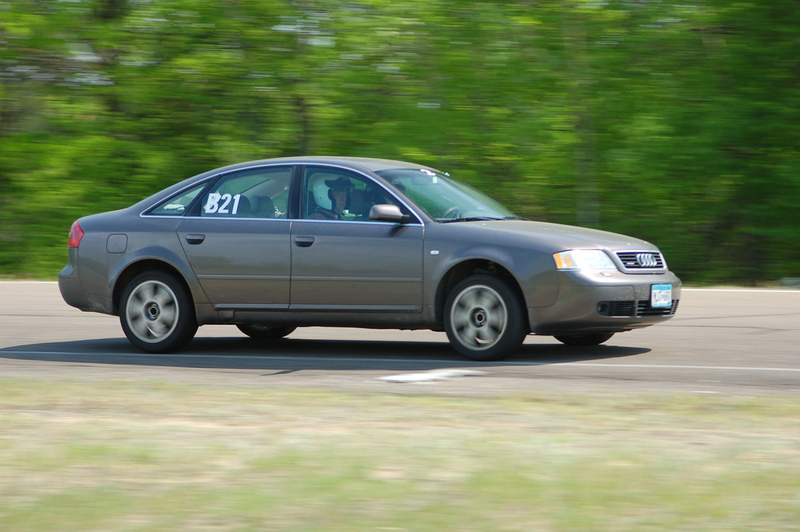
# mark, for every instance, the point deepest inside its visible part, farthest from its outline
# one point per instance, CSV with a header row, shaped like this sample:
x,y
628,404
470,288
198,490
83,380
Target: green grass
x,y
125,456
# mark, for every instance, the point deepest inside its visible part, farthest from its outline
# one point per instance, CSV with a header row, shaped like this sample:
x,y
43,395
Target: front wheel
x,y
584,339
156,313
265,332
484,318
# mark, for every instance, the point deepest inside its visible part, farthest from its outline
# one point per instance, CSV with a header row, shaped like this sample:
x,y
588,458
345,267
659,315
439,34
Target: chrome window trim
x,y
206,180
372,179
219,175
144,214
239,218
365,222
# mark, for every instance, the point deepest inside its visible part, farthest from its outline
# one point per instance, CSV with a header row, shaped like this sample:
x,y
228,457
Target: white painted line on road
x,y
676,366
434,375
746,290
28,282
450,362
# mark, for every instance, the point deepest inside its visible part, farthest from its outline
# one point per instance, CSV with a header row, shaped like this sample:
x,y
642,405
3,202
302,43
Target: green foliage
x,y
675,122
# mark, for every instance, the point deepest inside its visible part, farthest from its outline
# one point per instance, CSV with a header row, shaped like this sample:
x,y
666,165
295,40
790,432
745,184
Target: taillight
x,y
75,236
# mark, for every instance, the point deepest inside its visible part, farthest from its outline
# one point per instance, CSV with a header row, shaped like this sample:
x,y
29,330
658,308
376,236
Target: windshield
x,y
444,199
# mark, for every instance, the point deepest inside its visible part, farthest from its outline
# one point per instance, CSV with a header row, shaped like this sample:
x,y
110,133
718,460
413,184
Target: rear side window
x,y
177,205
257,193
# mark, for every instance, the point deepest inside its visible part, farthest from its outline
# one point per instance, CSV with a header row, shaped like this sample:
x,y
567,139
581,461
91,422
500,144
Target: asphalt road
x,y
736,342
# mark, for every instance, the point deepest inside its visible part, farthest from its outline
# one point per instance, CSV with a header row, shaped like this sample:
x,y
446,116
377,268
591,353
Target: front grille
x,y
617,309
641,260
645,310
634,309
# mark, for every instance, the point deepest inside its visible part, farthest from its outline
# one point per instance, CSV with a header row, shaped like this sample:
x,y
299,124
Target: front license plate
x,y
661,296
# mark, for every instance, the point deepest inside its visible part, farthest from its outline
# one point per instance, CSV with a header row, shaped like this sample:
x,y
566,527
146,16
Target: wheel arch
x,y
457,272
135,268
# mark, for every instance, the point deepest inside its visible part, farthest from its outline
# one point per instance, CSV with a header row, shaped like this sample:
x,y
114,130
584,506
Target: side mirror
x,y
386,213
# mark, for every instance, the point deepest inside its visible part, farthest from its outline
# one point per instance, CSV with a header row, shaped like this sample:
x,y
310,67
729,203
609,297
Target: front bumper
x,y
603,301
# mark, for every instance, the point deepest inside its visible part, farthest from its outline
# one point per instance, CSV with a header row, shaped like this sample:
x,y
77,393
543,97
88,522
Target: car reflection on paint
x,y
272,245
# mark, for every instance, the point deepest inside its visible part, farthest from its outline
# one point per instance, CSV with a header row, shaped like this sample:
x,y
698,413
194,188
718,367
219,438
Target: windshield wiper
x,y
472,219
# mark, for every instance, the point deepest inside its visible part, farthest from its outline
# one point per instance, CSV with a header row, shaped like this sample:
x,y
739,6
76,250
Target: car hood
x,y
556,237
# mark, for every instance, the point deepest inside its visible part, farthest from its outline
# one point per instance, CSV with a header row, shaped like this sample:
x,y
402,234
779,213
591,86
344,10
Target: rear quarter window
x,y
177,205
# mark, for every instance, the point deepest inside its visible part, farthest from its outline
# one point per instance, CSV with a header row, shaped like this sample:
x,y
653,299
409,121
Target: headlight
x,y
584,259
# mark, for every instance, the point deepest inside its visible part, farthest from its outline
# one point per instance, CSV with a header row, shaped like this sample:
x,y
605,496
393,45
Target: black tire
x,y
265,332
484,318
157,313
584,339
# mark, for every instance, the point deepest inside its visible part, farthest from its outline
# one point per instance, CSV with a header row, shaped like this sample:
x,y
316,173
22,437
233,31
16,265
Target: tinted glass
x,y
177,205
332,194
258,193
445,199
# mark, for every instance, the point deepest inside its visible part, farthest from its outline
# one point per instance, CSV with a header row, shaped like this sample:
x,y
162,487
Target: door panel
x,y
240,263
341,265
238,242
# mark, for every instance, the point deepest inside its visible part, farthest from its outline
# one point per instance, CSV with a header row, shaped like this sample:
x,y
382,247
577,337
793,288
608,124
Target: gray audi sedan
x,y
272,245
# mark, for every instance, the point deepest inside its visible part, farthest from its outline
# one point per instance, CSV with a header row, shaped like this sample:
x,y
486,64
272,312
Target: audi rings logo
x,y
646,260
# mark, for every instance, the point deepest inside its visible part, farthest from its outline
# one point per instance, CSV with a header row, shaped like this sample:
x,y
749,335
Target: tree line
x,y
673,121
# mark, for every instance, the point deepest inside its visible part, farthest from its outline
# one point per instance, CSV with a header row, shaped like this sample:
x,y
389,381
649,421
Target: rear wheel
x,y
584,339
265,332
156,313
484,318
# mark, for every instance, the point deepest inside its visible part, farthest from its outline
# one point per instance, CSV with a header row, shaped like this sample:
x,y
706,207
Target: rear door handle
x,y
303,241
195,239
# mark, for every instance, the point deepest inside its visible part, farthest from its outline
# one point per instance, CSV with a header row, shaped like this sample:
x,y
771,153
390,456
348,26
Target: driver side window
x,y
332,194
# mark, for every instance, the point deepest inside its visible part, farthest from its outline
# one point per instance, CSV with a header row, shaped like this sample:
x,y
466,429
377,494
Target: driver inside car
x,y
331,197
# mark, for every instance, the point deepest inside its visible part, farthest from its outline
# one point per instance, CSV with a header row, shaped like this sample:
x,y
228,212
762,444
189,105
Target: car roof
x,y
362,164
356,163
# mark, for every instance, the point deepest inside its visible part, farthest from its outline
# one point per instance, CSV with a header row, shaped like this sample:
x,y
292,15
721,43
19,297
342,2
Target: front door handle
x,y
303,241
195,239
